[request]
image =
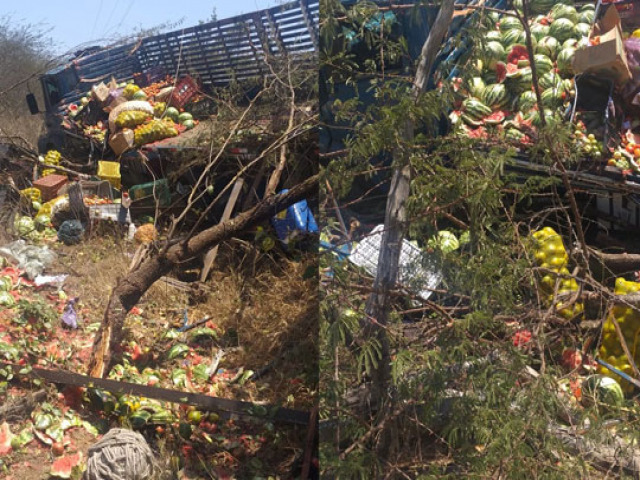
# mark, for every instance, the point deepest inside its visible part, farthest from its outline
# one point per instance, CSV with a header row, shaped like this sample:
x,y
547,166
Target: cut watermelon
x,y
495,118
63,467
513,71
518,52
5,439
501,72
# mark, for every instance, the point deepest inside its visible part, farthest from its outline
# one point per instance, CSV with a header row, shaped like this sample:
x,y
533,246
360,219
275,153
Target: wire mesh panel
x,y
417,270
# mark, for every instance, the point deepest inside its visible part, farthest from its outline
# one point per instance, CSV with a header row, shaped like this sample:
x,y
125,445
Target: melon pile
x,y
499,92
629,321
550,254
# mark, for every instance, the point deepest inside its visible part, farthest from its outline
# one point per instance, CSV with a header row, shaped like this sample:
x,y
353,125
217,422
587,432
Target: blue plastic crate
x,y
295,220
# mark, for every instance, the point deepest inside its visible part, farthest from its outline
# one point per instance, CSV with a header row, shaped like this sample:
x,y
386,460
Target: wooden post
x,y
210,257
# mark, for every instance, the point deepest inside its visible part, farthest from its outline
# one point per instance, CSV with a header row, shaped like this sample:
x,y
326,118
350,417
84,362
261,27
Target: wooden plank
x,y
210,257
203,402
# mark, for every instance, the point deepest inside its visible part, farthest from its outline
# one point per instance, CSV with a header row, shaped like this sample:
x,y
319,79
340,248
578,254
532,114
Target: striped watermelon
x,y
561,29
538,31
581,30
587,16
475,108
564,11
495,96
550,80
550,116
548,46
510,23
543,64
526,101
476,87
491,54
522,82
571,43
541,7
551,98
511,37
493,36
565,59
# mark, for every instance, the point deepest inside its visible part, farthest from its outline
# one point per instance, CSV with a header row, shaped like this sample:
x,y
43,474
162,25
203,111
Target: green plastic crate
x,y
146,190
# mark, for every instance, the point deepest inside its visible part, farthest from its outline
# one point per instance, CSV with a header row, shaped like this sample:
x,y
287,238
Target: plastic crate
x,y
110,212
50,185
146,190
110,171
184,91
414,269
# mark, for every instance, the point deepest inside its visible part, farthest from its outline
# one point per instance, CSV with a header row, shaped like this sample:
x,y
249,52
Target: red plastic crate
x,y
50,185
184,91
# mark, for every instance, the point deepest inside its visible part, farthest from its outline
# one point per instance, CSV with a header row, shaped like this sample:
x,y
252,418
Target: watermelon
x,y
548,46
184,116
172,113
188,124
512,37
495,118
543,64
565,59
514,135
493,36
564,11
551,98
492,53
5,439
549,115
538,31
510,23
139,95
513,71
587,16
602,389
571,43
472,122
476,87
475,108
550,80
64,467
495,96
526,101
538,7
587,7
581,30
523,82
561,29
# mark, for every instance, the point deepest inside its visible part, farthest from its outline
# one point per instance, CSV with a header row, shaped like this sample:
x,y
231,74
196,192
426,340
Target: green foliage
x,y
467,408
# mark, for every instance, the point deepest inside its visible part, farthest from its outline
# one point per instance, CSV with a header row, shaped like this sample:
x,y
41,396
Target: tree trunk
x,y
377,307
130,289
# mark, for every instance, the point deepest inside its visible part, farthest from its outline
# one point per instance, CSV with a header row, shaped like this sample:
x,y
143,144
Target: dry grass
x,y
262,304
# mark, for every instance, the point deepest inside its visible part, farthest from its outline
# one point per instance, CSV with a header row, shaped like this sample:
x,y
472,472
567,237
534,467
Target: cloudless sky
x,y
75,23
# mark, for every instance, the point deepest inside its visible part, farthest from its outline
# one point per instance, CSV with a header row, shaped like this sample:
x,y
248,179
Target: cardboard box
x,y
122,141
608,59
50,185
100,92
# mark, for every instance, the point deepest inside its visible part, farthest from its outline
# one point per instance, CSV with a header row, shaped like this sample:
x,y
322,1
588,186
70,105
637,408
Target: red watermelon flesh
x,y
501,72
495,118
518,52
63,466
5,439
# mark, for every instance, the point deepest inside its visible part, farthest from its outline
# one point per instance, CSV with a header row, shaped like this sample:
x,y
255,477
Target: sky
x,y
74,23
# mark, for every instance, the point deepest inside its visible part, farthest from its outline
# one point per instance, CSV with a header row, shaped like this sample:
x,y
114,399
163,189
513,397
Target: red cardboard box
x,y
50,185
